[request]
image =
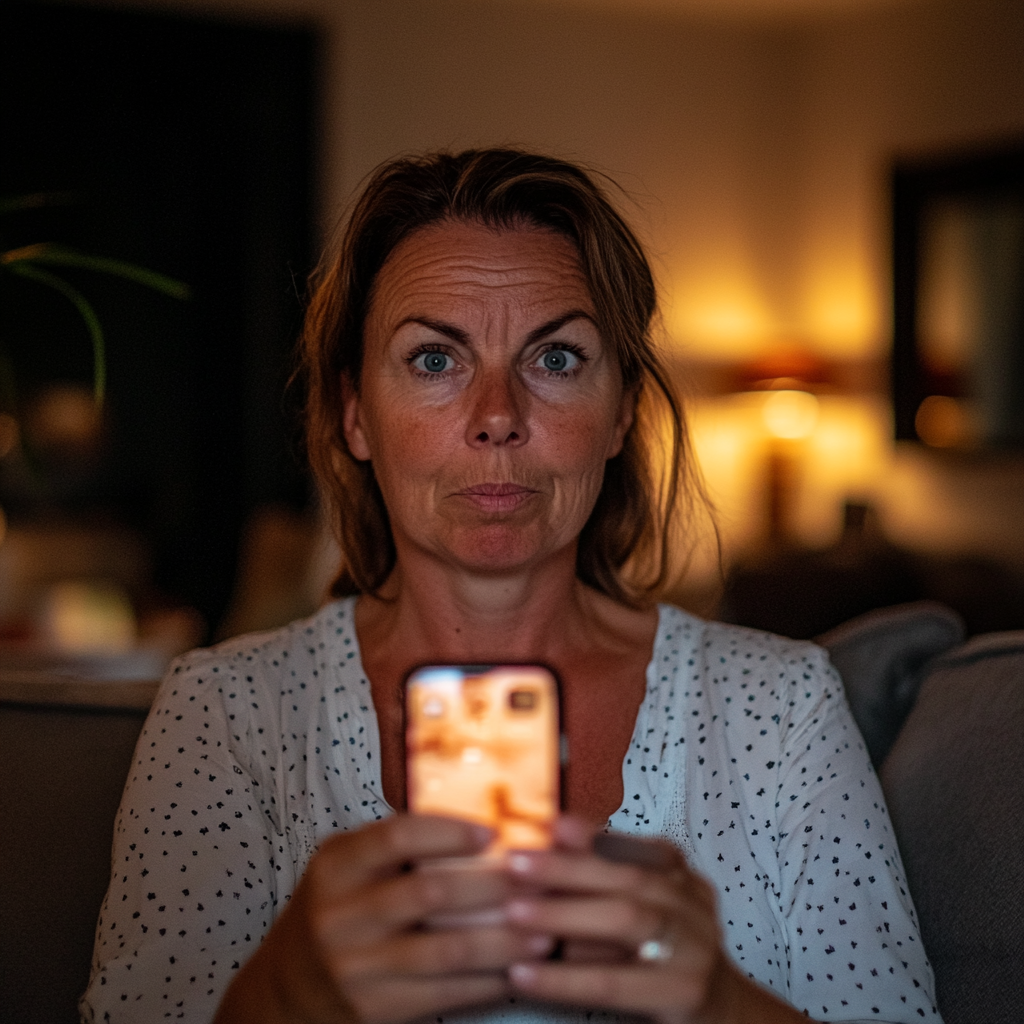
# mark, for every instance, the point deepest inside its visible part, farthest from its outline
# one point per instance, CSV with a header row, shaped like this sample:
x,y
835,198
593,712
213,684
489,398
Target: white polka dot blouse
x,y
744,754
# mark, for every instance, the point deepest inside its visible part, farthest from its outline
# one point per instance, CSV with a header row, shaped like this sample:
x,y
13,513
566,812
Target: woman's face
x,y
488,403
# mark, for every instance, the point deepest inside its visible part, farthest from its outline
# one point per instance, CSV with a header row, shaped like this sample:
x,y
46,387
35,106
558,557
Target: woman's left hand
x,y
640,939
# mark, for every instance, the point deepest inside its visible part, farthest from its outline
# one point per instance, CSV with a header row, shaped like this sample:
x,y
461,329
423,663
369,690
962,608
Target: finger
x,y
347,859
381,907
581,836
633,988
687,925
588,873
594,951
390,1000
625,849
451,951
622,921
574,833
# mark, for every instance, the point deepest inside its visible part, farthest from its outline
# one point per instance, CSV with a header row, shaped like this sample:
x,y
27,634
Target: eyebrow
x,y
460,336
559,322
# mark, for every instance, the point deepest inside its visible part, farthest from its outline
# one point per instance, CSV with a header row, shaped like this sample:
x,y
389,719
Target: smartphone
x,y
483,743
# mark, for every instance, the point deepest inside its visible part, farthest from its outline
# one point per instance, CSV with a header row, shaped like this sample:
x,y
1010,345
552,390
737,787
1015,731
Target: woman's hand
x,y
351,946
611,915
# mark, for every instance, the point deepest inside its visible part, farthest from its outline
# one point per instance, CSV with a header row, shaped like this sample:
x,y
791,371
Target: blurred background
x,y
832,192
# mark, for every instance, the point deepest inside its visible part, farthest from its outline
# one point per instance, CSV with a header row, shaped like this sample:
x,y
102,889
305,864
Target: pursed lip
x,y
495,497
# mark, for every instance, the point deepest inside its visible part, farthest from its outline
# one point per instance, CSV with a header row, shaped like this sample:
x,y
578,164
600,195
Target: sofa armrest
x,y
882,657
954,783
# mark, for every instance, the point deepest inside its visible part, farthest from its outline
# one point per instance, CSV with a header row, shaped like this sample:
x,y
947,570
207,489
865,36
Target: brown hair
x,y
624,546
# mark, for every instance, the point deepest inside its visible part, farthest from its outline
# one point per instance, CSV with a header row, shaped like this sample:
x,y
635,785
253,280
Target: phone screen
x,y
482,743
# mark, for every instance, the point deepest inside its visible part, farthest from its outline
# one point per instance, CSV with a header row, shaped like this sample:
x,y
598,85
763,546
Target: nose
x,y
496,414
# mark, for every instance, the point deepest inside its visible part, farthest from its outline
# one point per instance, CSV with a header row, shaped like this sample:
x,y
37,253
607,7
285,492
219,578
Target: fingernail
x,y
519,910
520,863
540,944
523,974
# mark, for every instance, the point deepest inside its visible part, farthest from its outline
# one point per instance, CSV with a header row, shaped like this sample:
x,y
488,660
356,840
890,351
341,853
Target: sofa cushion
x,y
954,782
882,656
65,750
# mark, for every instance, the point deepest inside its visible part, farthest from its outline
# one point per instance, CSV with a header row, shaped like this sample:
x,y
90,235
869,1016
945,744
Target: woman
x,y
482,390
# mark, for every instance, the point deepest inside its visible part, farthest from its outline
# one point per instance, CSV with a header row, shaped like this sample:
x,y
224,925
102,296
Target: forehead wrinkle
x,y
471,276
450,287
430,298
457,314
499,260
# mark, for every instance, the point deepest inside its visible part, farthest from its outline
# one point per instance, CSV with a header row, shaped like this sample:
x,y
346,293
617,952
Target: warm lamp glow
x,y
790,415
724,321
849,444
724,312
89,618
841,310
720,319
943,422
728,440
845,455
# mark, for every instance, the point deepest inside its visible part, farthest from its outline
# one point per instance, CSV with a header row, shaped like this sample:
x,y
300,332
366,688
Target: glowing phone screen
x,y
482,744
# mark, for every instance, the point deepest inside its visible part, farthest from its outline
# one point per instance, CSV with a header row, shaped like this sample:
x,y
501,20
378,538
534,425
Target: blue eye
x,y
558,360
432,362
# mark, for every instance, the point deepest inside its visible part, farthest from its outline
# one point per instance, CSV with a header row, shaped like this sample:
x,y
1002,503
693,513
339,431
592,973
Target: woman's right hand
x,y
350,945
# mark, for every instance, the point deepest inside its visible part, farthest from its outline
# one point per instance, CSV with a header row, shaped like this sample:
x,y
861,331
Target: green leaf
x,y
59,255
33,201
88,314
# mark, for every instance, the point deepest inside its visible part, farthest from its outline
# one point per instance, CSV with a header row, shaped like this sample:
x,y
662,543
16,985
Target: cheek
x,y
408,442
582,439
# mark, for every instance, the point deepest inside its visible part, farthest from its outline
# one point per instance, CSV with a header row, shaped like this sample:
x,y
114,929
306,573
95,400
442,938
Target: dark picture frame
x,y
958,359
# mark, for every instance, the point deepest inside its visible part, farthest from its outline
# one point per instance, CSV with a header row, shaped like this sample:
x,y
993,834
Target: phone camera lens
x,y
522,700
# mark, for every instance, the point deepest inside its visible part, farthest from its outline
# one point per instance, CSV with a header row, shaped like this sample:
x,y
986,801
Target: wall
x,y
686,115
755,149
897,81
901,81
757,154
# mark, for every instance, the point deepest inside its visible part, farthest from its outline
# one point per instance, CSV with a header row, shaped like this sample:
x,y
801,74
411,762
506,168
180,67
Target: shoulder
x,y
243,702
724,642
273,652
730,664
250,681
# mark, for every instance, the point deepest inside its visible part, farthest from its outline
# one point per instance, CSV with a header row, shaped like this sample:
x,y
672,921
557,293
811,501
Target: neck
x,y
434,612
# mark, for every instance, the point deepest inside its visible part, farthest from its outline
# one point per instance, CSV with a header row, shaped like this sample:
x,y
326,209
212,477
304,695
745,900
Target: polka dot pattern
x,y
259,748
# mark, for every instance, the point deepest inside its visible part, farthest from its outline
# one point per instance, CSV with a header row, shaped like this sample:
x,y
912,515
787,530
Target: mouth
x,y
495,497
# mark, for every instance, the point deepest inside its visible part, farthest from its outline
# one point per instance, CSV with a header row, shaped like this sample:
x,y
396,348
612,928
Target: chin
x,y
497,549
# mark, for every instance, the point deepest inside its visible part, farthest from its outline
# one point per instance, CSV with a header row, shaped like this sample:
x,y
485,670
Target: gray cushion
x,y
882,657
954,782
65,750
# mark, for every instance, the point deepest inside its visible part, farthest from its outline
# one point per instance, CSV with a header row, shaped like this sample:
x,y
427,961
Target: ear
x,y
627,413
351,420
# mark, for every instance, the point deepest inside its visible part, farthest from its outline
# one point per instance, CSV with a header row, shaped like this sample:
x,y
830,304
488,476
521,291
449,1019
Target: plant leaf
x,y
88,314
26,252
59,255
33,201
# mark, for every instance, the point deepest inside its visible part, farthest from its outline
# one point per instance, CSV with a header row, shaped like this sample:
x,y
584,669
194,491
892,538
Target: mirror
x,y
958,300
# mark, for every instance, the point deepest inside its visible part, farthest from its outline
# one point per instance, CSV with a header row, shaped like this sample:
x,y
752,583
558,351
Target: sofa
x,y
65,749
943,720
